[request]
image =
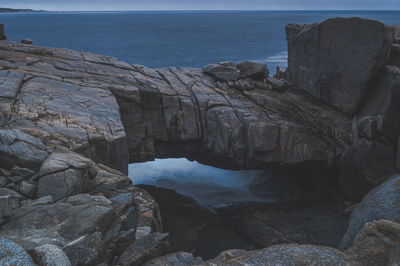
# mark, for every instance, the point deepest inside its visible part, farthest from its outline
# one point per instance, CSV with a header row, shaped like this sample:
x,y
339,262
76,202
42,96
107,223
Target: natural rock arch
x,y
110,111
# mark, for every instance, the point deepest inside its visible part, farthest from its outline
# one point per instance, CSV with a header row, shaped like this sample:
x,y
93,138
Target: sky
x,y
106,5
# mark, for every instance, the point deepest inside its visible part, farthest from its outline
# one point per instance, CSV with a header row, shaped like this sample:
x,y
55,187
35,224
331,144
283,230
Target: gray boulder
x,y
26,41
283,255
27,189
364,166
12,254
65,173
253,70
225,71
23,172
335,60
60,223
381,203
49,255
378,243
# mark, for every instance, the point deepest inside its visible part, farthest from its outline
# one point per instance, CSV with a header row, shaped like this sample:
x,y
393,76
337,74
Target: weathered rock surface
x,y
178,258
113,112
318,58
364,166
144,249
381,203
378,243
283,255
49,255
64,174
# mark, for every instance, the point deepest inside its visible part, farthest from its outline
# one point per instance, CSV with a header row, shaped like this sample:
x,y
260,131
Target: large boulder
x,y
283,255
253,70
65,173
378,243
12,254
336,59
381,203
225,71
364,166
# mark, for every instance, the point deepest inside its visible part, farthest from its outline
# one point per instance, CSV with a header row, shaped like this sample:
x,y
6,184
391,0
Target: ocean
x,y
187,39
173,38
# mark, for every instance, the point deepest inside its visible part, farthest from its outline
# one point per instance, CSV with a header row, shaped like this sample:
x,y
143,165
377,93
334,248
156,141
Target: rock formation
x,y
335,60
70,122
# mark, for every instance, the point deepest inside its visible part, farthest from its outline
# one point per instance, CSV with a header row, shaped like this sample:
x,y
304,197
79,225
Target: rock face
x,y
115,113
381,203
65,174
382,102
319,58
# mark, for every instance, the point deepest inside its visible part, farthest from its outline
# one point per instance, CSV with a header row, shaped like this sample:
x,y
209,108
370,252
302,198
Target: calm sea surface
x,y
159,39
190,39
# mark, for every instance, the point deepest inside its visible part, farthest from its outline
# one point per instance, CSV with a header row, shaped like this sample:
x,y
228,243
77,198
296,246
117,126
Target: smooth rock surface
x,y
319,55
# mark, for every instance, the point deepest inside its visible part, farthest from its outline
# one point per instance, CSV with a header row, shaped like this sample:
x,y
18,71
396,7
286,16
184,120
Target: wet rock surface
x,y
265,224
194,227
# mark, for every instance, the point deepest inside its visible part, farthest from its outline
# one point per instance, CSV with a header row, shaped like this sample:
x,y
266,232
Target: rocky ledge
x,y
70,122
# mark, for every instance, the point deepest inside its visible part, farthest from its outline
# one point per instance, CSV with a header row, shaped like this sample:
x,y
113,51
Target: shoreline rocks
x,y
71,121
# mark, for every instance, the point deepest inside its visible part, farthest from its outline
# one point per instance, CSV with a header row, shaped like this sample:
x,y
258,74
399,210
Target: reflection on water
x,y
208,185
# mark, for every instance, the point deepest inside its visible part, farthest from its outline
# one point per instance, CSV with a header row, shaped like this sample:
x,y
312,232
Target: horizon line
x,y
192,10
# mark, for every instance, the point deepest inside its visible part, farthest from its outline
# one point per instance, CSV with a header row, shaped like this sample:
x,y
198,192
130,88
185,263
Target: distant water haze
x,y
161,39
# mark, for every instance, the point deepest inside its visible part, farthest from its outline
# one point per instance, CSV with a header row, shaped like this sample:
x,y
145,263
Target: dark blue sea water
x,y
190,39
181,38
